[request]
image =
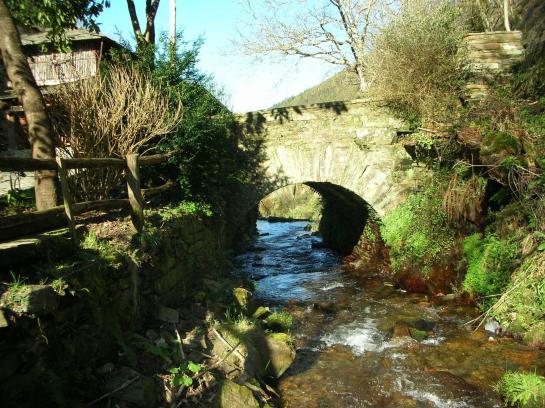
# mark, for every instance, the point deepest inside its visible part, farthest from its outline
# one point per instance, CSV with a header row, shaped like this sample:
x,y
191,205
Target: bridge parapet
x,y
351,144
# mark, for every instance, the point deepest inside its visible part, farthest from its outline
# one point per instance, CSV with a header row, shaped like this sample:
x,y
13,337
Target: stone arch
x,y
344,215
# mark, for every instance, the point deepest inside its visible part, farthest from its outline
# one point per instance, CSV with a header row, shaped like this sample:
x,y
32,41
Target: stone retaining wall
x,y
492,55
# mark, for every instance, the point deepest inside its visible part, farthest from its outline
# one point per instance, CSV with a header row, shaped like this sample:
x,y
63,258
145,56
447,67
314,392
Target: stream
x,y
352,336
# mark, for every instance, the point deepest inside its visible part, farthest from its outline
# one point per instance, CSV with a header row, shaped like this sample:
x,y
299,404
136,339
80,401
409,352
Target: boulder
x,y
140,392
31,299
3,320
281,354
233,395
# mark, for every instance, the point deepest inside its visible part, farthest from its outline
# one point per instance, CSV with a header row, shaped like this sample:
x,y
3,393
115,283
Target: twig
x,y
179,342
122,386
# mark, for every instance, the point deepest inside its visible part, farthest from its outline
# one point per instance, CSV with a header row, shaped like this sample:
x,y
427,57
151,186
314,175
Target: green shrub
x,y
418,231
526,390
490,263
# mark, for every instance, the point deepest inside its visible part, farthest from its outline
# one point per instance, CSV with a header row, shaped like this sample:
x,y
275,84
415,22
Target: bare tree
x,y
148,36
336,31
110,115
39,125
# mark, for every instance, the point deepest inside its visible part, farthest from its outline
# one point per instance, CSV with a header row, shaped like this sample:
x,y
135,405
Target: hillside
x,y
342,86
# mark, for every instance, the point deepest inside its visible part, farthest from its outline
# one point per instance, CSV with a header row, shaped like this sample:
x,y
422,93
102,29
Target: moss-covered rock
x,y
232,395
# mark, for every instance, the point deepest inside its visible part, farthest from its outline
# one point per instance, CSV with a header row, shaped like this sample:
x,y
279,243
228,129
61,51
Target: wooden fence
x,y
15,226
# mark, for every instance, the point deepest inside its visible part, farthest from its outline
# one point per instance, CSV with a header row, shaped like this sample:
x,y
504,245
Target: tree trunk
x,y
39,125
506,15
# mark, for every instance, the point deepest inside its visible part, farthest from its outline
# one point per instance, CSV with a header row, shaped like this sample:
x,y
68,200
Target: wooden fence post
x,y
67,198
135,194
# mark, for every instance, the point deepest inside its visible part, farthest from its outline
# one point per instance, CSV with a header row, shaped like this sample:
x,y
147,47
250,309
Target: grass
x,y
526,390
279,321
417,232
491,261
15,293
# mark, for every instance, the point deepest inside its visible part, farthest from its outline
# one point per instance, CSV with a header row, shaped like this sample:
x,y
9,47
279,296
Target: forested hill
x,y
342,86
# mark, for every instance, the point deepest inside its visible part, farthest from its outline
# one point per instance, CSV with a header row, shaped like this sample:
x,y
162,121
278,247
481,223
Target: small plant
x,y
183,375
279,321
526,390
15,294
490,263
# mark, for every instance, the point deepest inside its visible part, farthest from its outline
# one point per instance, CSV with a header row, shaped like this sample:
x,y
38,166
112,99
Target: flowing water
x,y
353,348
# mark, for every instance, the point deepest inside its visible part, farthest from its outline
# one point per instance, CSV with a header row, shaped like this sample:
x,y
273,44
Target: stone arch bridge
x,y
349,152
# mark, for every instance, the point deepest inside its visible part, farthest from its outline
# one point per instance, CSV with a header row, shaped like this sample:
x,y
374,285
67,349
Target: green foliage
x,y
15,201
497,141
490,263
57,16
295,202
417,232
279,321
522,307
182,375
526,390
213,161
101,248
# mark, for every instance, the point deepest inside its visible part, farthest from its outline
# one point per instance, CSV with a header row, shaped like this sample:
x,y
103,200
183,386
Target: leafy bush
x,y
416,64
526,390
418,231
490,263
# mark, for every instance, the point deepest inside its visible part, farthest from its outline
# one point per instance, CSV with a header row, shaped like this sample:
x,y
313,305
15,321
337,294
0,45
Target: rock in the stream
x,y
401,329
328,307
141,392
232,395
492,326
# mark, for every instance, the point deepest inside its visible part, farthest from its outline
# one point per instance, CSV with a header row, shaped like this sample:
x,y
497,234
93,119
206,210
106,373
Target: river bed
x,y
352,335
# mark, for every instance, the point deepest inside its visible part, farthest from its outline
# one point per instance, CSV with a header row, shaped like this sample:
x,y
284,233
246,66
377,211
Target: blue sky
x,y
248,85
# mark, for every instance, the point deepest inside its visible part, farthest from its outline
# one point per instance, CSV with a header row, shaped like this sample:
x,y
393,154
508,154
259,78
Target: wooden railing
x,y
38,221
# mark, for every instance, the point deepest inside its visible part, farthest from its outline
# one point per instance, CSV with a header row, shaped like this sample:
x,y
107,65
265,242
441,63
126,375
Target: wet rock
x,y
140,392
401,330
327,307
492,326
421,324
232,395
317,244
168,315
32,299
